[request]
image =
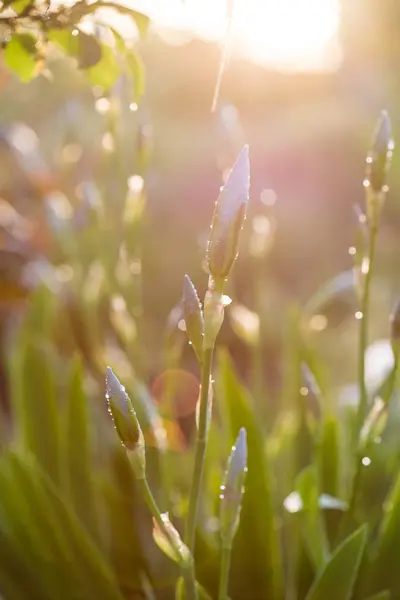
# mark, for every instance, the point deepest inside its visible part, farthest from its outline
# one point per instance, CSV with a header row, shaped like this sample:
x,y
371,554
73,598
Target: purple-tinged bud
x,y
232,489
193,315
126,422
229,215
379,157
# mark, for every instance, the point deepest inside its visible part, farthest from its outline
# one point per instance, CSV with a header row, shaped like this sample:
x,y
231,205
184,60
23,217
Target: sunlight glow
x,y
289,35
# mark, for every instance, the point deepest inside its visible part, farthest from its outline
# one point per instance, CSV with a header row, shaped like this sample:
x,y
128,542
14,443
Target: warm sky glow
x,y
285,34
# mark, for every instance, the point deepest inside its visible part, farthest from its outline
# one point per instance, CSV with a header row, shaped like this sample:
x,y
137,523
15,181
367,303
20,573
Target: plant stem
x,y
363,337
201,445
186,568
224,573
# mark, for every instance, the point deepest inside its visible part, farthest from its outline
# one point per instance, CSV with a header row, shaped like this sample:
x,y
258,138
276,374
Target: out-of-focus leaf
x,y
337,577
340,290
312,524
36,407
125,521
329,459
385,595
77,44
142,21
375,422
180,591
89,51
17,5
98,60
381,573
137,73
256,554
98,576
76,450
20,55
106,72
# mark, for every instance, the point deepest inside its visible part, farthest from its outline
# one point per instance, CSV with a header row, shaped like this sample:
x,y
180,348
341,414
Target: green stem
x,y
186,567
224,574
363,335
201,445
200,451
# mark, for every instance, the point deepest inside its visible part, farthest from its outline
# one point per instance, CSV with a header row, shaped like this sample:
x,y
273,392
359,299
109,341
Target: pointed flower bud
x,y
229,214
193,317
232,489
126,422
379,158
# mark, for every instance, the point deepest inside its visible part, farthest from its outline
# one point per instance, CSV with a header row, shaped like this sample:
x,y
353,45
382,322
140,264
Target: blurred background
x,y
303,84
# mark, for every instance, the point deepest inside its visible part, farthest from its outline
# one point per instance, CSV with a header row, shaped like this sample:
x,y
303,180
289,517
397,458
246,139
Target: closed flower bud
x,y
229,214
126,422
232,489
193,317
378,160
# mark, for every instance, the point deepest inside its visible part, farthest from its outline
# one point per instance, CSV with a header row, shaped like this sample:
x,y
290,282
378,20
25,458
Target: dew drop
x,y
304,391
366,461
358,315
352,250
366,183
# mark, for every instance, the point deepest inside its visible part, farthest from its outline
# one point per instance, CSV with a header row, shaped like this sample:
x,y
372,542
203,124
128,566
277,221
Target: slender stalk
x,y
224,573
363,332
186,569
201,444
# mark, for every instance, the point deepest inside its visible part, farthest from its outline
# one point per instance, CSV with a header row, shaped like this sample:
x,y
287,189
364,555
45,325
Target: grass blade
x,y
339,574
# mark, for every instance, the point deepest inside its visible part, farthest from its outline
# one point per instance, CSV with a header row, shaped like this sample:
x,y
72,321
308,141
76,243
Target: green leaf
x,y
312,524
20,56
142,21
381,572
123,513
338,576
85,48
256,553
137,73
76,448
329,456
339,290
106,72
385,595
36,408
19,5
89,51
96,576
180,591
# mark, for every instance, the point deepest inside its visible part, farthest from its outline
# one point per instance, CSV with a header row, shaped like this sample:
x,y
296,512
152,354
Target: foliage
x,y
33,32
